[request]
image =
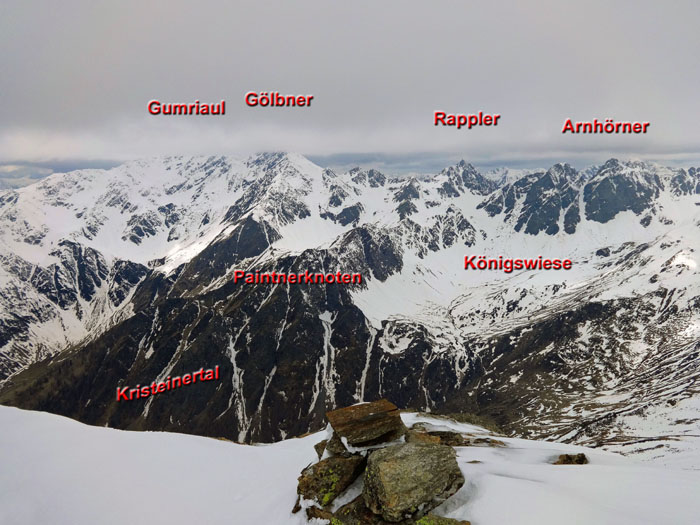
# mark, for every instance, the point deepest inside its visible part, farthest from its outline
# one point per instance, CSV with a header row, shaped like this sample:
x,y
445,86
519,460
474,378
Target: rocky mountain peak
x,y
562,173
419,328
465,177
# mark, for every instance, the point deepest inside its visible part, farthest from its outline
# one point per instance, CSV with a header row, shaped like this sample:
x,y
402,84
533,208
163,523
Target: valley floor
x,y
55,470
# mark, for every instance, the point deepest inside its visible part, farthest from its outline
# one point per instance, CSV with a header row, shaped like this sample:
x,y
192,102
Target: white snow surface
x,y
55,470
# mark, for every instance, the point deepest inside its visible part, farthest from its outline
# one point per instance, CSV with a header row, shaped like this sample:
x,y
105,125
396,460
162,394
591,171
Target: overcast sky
x,y
75,79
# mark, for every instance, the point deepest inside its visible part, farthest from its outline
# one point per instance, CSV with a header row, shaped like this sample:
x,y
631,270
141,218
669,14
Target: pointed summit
x,y
464,176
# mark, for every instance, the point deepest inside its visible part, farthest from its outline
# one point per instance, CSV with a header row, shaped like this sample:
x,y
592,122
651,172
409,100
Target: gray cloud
x,y
77,77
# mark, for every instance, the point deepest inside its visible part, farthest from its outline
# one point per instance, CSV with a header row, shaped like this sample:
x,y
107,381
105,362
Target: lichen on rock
x,y
408,480
322,482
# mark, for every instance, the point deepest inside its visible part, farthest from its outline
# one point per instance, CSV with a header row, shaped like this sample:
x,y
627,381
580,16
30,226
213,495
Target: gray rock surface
x,y
408,480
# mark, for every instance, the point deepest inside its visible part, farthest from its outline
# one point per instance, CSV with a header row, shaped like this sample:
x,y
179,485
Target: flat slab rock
x,y
368,423
427,433
407,481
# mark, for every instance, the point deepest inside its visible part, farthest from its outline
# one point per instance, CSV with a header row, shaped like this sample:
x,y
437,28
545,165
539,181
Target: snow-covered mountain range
x,y
125,276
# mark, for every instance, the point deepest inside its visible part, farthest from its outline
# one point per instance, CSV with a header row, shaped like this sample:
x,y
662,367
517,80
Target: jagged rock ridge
x,y
138,273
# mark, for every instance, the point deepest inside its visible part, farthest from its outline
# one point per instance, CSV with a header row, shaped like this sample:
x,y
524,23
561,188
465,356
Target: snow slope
x,y
57,471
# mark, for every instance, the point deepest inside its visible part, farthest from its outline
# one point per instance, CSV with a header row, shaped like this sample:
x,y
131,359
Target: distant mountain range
x,y
125,276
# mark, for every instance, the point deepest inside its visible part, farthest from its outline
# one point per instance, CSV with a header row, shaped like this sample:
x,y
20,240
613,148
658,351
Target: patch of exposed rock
x,y
405,473
408,480
322,482
572,459
427,433
368,423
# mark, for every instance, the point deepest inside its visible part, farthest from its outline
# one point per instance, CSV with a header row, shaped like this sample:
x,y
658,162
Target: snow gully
x,y
480,262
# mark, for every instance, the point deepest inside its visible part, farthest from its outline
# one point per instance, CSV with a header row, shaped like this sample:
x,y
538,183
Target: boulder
x,y
408,480
320,448
571,459
324,481
368,423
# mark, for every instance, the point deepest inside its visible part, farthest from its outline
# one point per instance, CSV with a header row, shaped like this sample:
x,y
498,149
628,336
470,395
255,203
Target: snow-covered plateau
x,y
58,471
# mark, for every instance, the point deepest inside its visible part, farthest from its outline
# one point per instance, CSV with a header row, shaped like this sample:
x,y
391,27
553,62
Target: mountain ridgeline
x,y
125,277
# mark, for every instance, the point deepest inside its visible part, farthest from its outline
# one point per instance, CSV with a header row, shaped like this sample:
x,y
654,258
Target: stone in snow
x,y
409,480
367,423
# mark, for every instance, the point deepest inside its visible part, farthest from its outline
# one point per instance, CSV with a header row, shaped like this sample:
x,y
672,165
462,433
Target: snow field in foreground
x,y
55,470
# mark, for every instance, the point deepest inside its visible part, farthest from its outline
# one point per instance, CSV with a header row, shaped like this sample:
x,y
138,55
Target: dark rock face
x,y
82,270
618,188
348,215
322,482
171,214
686,183
60,286
142,226
408,191
409,480
405,209
367,423
125,276
571,218
249,239
377,252
544,197
338,196
464,177
448,190
371,177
